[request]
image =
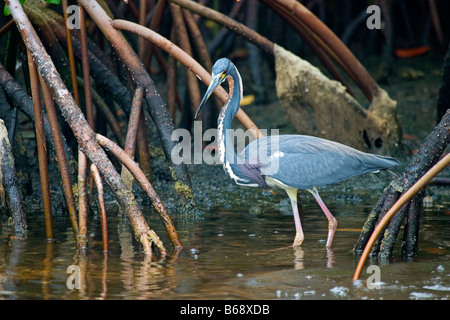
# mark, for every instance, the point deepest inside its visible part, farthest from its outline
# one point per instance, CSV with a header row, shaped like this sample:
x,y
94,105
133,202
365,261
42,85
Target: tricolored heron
x,y
302,162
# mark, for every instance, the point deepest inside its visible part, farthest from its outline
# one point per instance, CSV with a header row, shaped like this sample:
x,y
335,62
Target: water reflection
x,y
227,255
330,258
47,270
299,254
300,258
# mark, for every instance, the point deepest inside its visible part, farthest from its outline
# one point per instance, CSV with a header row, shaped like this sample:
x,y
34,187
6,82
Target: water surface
x,y
238,247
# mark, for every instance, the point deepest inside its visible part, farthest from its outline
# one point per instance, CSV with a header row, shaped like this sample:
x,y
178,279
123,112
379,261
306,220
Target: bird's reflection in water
x,y
299,258
330,258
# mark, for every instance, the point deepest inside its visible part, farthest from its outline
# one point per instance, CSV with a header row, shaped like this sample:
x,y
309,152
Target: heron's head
x,y
220,71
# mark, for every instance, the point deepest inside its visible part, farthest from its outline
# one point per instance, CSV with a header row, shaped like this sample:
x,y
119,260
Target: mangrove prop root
x,y
363,79
101,205
86,71
226,21
99,65
425,158
322,51
24,103
143,148
62,163
83,206
41,146
190,63
156,106
106,112
133,124
132,166
181,33
411,193
77,122
409,248
158,243
73,73
9,190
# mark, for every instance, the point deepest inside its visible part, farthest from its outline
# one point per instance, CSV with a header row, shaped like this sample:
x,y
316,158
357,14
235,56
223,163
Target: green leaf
x,y
53,1
6,11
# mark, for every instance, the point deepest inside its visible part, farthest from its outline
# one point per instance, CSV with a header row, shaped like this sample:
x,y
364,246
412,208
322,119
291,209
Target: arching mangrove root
x,y
426,157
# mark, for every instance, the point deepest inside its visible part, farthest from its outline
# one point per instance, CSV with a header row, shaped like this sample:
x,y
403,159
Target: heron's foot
x,y
299,237
332,225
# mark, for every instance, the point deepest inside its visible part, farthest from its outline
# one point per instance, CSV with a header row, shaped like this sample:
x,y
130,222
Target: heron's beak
x,y
215,82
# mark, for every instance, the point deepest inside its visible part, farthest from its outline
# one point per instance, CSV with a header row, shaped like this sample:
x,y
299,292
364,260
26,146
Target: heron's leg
x,y
332,222
292,193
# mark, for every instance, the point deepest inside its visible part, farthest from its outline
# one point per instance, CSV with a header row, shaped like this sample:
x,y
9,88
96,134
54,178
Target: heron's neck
x,y
226,116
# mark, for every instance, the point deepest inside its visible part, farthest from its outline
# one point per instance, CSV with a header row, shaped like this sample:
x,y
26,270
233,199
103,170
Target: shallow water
x,y
237,248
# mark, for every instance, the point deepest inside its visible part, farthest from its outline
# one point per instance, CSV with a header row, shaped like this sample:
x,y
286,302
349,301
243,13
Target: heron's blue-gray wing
x,y
305,161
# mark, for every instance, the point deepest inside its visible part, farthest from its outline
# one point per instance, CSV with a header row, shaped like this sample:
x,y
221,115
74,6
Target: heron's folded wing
x,y
306,161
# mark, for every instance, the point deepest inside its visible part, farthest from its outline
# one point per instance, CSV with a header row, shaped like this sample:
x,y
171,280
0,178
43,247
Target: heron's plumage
x,y
289,162
308,161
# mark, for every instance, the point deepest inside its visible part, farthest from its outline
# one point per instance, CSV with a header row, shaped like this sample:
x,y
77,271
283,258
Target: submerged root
x,y
155,239
147,240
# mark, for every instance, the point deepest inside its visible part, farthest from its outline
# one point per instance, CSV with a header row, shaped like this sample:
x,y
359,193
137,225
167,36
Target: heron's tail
x,y
382,163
